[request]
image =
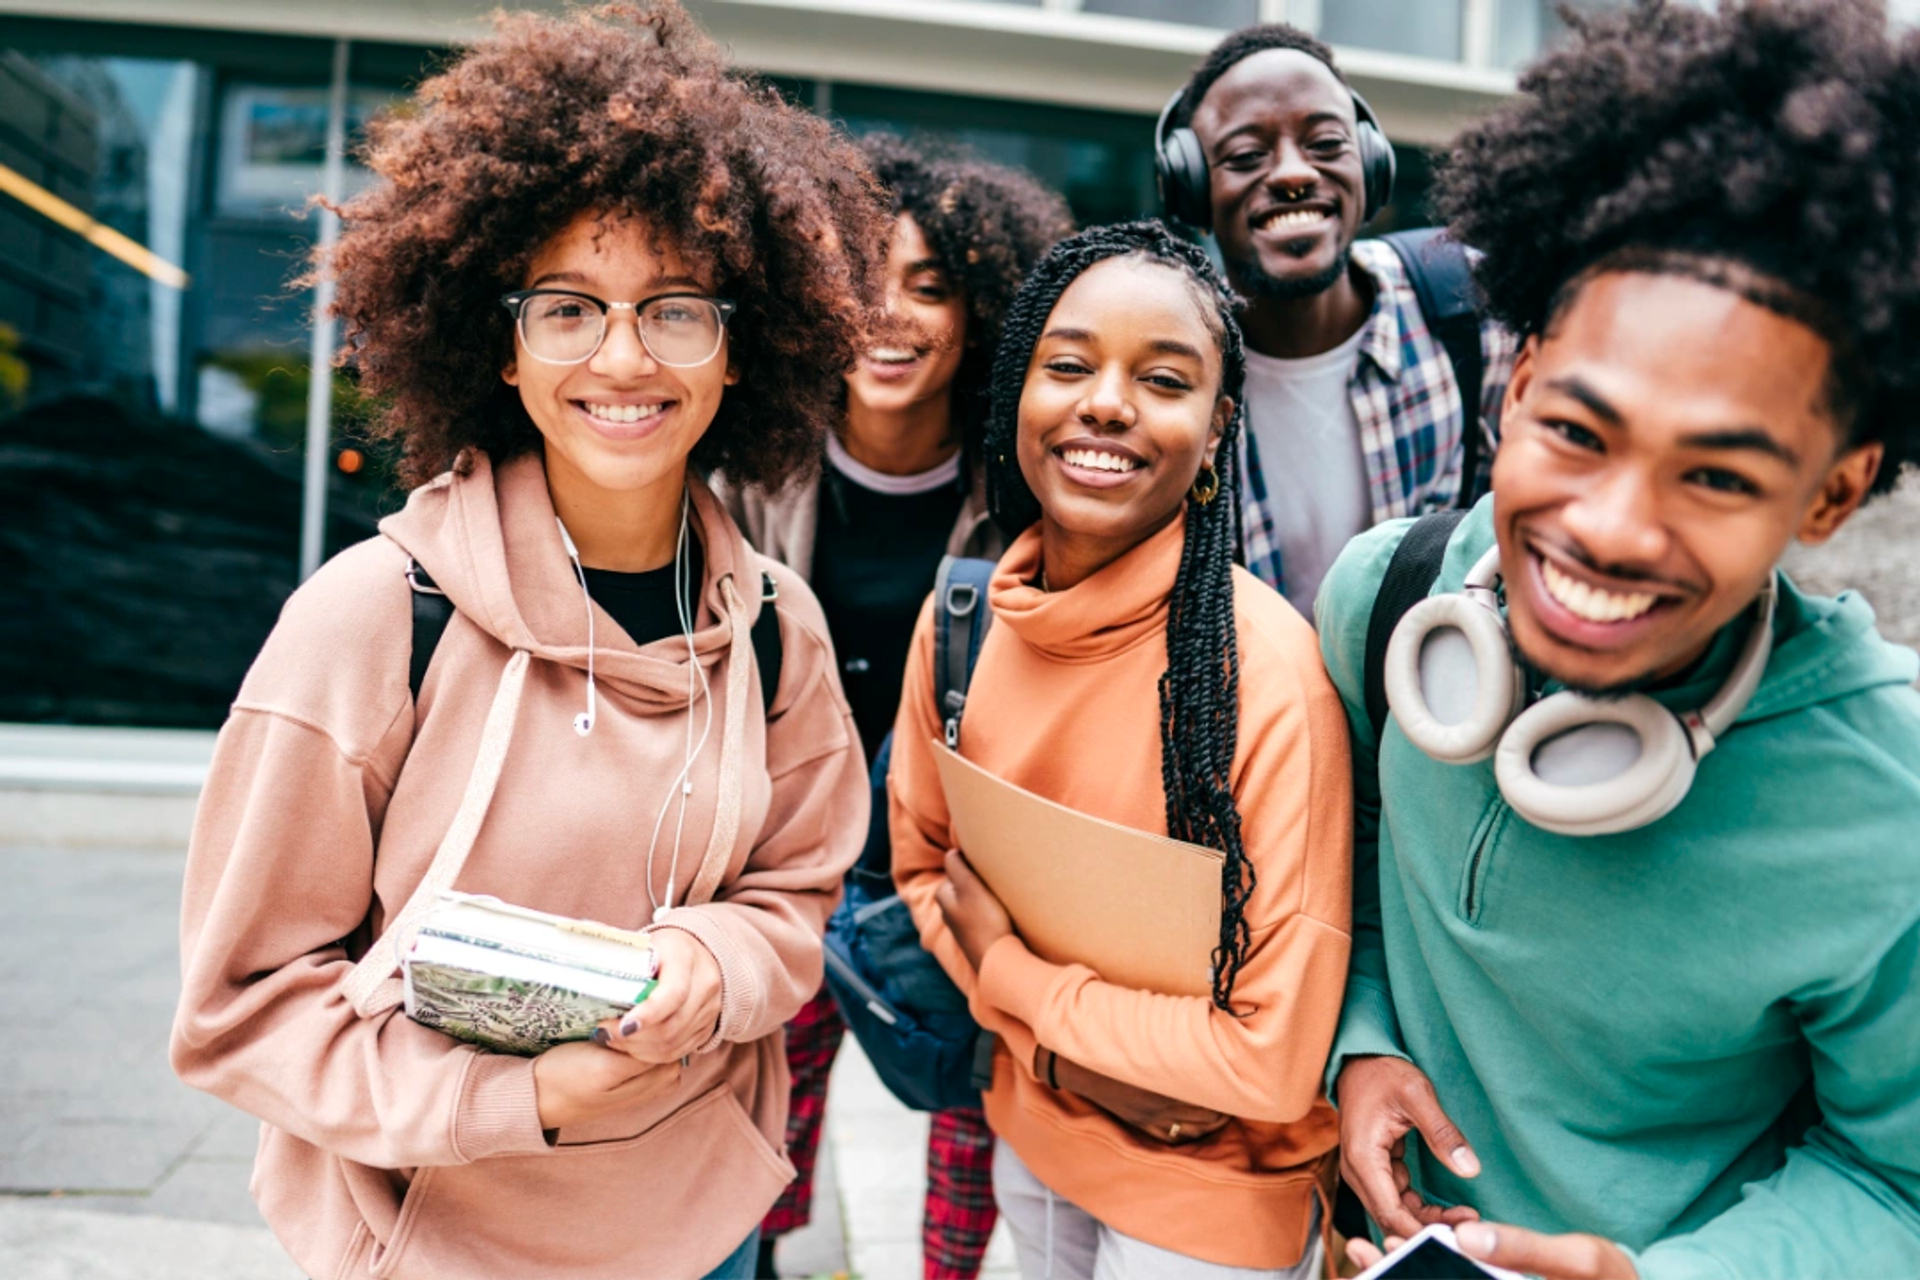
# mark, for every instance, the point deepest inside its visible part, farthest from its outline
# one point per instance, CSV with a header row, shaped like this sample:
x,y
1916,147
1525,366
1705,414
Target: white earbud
x,y
582,723
1569,764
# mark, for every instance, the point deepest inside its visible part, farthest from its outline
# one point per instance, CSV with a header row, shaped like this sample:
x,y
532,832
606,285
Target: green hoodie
x,y
1701,1039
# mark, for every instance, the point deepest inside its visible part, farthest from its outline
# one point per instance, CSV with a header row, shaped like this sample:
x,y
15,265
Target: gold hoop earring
x,y
1206,487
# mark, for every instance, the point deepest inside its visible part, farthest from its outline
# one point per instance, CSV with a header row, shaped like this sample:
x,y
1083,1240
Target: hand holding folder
x,y
1140,910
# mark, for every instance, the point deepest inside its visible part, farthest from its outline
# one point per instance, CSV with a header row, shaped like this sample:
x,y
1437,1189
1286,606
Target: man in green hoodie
x,y
1688,1047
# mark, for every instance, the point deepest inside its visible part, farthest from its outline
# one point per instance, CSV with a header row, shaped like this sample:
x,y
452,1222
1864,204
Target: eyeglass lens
x,y
567,329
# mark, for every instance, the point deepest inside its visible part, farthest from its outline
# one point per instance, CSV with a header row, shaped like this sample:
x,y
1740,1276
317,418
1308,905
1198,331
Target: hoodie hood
x,y
489,539
1826,648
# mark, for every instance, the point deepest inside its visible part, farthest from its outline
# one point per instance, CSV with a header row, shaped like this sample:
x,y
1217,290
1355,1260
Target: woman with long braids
x,y
1133,673
901,486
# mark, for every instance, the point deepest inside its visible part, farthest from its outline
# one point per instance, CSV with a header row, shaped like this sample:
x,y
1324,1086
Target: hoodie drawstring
x,y
726,816
372,986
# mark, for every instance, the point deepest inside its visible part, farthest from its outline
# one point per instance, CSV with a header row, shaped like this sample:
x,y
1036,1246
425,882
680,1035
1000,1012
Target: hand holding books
x,y
679,1016
972,912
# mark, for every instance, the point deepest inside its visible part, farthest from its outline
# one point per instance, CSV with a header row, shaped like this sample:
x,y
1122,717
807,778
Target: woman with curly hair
x,y
1135,673
901,487
1637,907
597,259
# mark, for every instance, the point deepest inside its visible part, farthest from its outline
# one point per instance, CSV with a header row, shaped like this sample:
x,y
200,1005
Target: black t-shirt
x,y
642,603
874,560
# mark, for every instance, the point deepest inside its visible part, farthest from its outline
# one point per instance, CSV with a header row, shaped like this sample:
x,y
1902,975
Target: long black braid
x,y
1200,691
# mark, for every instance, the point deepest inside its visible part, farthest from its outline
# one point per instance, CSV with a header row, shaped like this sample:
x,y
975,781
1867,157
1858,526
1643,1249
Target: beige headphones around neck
x,y
1570,764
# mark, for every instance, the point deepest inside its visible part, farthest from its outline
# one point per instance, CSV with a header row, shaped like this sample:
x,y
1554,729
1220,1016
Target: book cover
x,y
513,980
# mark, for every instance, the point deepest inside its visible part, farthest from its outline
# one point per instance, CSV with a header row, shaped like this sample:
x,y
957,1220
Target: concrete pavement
x,y
110,1168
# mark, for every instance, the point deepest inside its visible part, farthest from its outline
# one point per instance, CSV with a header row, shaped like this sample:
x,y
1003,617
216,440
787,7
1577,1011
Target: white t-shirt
x,y
1303,424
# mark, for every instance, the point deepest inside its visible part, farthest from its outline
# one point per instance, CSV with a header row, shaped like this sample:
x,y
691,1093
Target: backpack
x,y
1442,280
432,611
910,1019
1409,577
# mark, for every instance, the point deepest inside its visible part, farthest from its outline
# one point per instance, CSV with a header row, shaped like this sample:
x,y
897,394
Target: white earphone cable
x,y
682,785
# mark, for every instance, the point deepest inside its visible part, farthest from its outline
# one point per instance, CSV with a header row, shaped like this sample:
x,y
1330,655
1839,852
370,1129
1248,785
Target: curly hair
x,y
626,110
1237,48
1200,689
1769,149
988,224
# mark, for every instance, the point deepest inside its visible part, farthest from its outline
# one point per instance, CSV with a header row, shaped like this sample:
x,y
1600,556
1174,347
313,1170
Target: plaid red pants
x,y
960,1212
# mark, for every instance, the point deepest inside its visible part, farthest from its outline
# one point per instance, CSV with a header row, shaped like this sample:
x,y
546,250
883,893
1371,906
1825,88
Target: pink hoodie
x,y
390,1150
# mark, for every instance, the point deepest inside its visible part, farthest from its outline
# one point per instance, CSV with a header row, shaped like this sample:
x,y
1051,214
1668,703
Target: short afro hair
x,y
1770,148
1237,48
626,110
987,224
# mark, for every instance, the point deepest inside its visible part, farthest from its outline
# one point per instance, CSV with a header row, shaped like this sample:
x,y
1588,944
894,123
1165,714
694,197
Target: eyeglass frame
x,y
515,302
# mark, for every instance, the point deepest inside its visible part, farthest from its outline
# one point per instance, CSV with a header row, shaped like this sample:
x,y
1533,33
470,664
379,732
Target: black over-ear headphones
x,y
1180,166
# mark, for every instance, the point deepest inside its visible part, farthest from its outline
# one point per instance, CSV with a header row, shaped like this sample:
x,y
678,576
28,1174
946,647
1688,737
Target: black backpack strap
x,y
1409,577
431,613
766,642
1442,279
961,617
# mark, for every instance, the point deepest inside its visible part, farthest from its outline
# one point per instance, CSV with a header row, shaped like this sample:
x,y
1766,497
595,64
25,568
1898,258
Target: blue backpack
x,y
909,1018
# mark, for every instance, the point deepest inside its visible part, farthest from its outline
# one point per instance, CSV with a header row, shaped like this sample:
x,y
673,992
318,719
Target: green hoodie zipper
x,y
1485,833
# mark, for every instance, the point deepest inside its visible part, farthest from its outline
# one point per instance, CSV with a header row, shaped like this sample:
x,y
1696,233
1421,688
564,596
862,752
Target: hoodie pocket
x,y
1474,877
671,1201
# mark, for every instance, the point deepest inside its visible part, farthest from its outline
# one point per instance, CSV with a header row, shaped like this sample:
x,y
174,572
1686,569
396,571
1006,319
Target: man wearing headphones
x,y
1637,902
1360,408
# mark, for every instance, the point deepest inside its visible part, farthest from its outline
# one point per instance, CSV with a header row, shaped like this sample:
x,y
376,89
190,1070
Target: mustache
x,y
1620,572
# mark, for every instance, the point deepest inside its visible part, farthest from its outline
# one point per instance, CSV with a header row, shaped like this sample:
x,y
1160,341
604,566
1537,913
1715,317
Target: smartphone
x,y
1433,1255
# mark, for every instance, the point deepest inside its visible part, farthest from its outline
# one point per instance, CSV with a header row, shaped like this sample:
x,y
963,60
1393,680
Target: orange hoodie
x,y
390,1149
1064,702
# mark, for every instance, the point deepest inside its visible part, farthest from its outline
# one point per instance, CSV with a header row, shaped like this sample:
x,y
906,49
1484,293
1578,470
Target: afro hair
x,y
625,110
987,224
1769,148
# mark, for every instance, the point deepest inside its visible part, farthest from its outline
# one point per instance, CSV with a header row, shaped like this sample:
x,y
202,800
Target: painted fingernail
x,y
630,1026
1464,1162
1475,1237
600,1036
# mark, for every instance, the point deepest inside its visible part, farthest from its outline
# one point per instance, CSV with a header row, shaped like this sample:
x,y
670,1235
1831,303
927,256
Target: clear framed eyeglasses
x,y
561,326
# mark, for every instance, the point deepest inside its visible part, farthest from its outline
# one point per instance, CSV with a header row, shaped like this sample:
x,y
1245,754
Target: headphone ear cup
x,y
1581,767
1457,647
1180,168
1378,164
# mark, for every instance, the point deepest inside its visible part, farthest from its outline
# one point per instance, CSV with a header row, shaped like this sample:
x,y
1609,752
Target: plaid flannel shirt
x,y
1407,402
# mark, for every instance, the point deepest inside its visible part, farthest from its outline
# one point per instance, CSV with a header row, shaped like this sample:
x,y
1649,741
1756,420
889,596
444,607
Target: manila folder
x,y
1140,910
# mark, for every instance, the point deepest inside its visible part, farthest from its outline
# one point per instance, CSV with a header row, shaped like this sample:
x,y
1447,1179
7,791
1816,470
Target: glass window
x,y
154,364
1526,27
1428,29
1101,161
1228,15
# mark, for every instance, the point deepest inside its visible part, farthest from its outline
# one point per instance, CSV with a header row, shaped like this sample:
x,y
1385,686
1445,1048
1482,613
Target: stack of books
x,y
518,981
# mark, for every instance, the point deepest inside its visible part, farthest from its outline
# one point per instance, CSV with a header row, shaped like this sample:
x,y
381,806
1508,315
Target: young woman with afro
x,y
598,261
1136,674
902,485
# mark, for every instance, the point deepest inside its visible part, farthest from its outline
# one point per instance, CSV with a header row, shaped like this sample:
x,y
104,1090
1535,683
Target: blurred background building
x,y
156,158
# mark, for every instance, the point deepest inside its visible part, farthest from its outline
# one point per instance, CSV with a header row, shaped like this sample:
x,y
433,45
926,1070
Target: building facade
x,y
161,433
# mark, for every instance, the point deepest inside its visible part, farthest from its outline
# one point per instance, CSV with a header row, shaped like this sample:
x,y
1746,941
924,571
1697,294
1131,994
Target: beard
x,y
1256,282
1537,676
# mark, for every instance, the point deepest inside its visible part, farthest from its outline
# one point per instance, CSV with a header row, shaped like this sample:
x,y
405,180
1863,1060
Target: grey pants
x,y
1055,1239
